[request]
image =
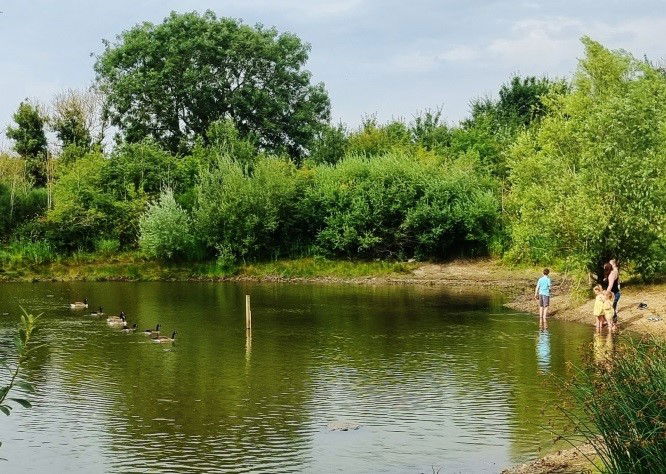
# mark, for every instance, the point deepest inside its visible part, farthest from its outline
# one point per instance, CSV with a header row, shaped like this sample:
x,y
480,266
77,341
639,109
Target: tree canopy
x,y
171,81
30,139
590,182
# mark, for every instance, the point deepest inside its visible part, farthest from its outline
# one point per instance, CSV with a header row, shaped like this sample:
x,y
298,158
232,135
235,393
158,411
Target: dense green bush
x,y
249,216
400,205
165,229
18,206
82,211
590,183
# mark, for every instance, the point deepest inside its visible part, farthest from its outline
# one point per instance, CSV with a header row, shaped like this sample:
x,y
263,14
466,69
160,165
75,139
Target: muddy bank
x,y
574,460
650,320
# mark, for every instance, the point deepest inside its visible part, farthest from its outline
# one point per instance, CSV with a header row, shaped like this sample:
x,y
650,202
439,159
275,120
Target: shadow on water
x,y
433,378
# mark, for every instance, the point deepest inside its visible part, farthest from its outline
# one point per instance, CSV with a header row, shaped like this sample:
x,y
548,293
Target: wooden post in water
x,y
248,314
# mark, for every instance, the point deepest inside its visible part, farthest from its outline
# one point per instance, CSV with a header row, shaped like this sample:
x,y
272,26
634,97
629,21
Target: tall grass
x,y
27,252
622,404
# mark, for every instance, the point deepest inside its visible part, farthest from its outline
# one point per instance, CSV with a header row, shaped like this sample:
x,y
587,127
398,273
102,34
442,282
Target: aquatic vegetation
x,y
24,349
621,403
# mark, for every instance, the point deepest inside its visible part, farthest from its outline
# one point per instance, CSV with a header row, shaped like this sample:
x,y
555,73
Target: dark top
x,y
616,284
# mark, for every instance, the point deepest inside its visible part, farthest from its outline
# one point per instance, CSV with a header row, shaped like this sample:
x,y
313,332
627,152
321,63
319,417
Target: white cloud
x,y
556,40
544,45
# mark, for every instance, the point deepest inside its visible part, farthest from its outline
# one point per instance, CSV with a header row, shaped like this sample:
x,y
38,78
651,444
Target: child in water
x,y
599,307
609,311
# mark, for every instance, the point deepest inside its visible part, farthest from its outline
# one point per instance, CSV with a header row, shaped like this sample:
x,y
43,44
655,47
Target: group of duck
x,y
120,321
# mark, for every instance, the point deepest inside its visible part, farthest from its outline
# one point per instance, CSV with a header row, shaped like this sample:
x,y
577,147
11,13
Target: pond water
x,y
433,378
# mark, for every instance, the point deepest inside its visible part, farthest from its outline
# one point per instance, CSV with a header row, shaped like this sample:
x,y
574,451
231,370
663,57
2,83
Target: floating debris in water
x,y
343,426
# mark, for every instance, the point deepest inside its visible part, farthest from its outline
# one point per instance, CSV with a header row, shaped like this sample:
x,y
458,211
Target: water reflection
x,y
432,378
543,350
603,345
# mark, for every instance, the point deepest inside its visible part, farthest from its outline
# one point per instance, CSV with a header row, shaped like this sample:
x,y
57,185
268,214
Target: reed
x,y
622,407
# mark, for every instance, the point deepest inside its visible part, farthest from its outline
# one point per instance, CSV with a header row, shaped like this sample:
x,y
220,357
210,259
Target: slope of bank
x,y
516,283
573,460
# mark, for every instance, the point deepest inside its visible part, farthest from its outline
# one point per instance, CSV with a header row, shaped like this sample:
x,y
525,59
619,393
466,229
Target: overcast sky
x,y
390,58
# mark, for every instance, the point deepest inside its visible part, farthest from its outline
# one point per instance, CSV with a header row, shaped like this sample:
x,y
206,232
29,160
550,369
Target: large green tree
x,y
173,80
30,140
590,183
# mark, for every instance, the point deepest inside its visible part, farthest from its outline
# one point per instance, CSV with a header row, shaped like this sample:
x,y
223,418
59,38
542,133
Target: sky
x,y
387,58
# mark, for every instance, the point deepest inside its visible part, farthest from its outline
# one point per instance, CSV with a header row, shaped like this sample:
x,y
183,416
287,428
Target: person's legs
x,y
616,298
543,306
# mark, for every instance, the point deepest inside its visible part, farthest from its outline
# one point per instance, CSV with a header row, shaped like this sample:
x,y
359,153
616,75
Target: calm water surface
x,y
433,378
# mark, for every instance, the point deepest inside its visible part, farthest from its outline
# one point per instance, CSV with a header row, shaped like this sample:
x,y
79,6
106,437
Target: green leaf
x,y
23,402
6,409
34,348
28,387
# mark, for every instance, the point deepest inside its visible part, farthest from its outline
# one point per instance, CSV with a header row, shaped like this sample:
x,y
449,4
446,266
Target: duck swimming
x,y
153,332
99,312
117,320
126,328
165,339
79,304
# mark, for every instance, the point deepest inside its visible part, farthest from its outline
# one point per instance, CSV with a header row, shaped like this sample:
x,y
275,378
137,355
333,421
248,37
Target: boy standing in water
x,y
542,294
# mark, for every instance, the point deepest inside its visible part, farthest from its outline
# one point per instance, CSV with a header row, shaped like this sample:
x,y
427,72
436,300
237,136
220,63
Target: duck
x,y
165,339
153,332
99,312
127,328
79,304
117,320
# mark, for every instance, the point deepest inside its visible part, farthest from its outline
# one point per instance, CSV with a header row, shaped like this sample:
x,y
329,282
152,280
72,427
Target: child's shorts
x,y
544,301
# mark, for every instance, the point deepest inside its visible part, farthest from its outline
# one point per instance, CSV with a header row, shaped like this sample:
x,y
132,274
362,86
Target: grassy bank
x,y
134,267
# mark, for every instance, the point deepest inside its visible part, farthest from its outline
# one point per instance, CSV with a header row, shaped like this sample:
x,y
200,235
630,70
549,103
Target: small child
x,y
609,311
599,307
542,295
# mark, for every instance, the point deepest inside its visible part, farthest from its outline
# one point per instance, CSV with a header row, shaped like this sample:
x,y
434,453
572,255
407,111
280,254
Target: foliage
x,y
173,80
19,201
24,350
26,252
590,183
69,123
165,229
330,145
374,139
107,247
226,117
520,101
429,132
30,139
621,407
225,140
396,206
143,168
82,212
249,216
77,118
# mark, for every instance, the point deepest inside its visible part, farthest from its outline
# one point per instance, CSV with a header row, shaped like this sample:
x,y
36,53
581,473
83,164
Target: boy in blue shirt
x,y
542,294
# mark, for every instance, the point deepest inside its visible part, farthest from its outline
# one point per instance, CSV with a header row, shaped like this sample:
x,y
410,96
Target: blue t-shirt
x,y
544,286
